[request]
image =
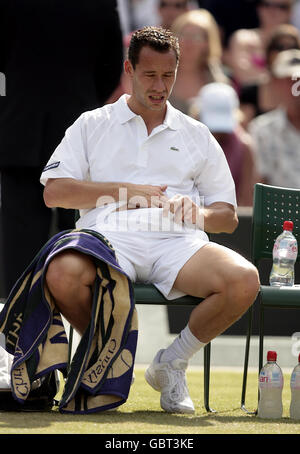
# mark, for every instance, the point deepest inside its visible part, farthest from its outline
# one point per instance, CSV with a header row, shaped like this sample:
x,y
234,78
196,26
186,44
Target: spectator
x,y
218,109
277,133
244,58
200,56
245,53
144,12
157,12
169,10
126,16
257,99
58,63
272,13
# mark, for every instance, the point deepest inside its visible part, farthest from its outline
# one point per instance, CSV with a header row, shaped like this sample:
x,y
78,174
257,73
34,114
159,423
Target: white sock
x,y
184,346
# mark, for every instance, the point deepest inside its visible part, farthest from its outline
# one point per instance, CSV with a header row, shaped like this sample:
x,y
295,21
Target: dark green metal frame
x,y
272,206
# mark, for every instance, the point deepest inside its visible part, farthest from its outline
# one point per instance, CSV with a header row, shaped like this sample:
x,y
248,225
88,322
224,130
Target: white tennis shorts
x,y
155,257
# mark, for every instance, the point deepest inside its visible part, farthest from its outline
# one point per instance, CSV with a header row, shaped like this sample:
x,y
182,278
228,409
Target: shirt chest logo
x,y
174,149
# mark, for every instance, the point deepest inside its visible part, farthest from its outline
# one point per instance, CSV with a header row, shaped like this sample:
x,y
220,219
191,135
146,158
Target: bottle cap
x,y
271,356
288,225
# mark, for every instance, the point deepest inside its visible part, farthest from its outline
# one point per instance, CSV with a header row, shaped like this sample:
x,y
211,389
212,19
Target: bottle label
x,y
285,249
270,379
295,380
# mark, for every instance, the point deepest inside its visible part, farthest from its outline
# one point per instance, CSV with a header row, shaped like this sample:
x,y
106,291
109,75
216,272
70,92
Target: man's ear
x,y
128,68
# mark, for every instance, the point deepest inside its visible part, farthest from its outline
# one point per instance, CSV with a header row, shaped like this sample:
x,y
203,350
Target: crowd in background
x,y
231,78
239,73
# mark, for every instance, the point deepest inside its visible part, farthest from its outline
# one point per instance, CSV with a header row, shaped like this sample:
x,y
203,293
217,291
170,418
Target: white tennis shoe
x,y
169,378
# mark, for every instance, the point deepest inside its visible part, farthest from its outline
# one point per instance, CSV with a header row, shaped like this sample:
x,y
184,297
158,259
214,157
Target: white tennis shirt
x,y
111,144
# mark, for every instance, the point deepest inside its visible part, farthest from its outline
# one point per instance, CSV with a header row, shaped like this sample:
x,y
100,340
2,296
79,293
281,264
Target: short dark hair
x,y
157,38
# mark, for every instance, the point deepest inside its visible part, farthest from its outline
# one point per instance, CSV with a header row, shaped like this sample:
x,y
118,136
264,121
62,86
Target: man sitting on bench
x,y
153,181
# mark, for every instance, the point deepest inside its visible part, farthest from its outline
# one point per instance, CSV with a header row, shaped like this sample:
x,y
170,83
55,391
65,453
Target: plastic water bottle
x,y
270,388
295,392
285,252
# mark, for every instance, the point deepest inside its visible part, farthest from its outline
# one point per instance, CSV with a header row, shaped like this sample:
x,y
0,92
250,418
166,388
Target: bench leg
x,y
246,361
207,377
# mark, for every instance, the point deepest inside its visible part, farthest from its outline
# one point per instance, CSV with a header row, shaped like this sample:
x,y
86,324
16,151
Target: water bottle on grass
x,y
270,388
295,392
285,252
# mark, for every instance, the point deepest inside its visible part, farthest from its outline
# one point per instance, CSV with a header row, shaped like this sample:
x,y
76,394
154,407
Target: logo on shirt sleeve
x,y
51,166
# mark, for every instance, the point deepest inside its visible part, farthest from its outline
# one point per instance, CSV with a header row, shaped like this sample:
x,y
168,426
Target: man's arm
x,y
220,217
77,194
70,193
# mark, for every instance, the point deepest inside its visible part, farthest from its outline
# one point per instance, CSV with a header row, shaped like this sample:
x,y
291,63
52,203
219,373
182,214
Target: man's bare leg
x,y
70,277
228,282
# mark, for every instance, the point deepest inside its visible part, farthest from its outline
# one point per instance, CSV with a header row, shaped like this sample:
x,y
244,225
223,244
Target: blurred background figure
x,y
276,133
126,16
272,13
60,59
244,58
262,97
154,12
169,10
144,12
217,106
245,54
200,56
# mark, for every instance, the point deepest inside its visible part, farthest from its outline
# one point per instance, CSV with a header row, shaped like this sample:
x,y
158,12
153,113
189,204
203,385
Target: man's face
x,y
152,79
169,10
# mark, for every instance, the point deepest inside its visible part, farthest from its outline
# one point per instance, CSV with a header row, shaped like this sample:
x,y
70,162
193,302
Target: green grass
x,y
142,413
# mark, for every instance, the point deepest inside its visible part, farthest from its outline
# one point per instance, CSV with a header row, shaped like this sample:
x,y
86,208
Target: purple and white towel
x,y
100,374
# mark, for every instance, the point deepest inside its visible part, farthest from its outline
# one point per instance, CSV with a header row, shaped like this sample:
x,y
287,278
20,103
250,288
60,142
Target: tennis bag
x,y
41,396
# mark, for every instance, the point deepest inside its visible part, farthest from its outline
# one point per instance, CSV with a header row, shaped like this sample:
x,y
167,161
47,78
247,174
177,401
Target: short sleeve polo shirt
x,y
111,144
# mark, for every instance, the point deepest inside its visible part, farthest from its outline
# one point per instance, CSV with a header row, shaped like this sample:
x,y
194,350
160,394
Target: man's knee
x,y
244,286
68,270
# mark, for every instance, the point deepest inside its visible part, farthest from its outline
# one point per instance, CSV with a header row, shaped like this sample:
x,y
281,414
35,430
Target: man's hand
x,y
215,218
142,196
185,211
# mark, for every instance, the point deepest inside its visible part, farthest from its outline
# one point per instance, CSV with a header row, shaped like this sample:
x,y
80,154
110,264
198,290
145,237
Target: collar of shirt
x,y
125,114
